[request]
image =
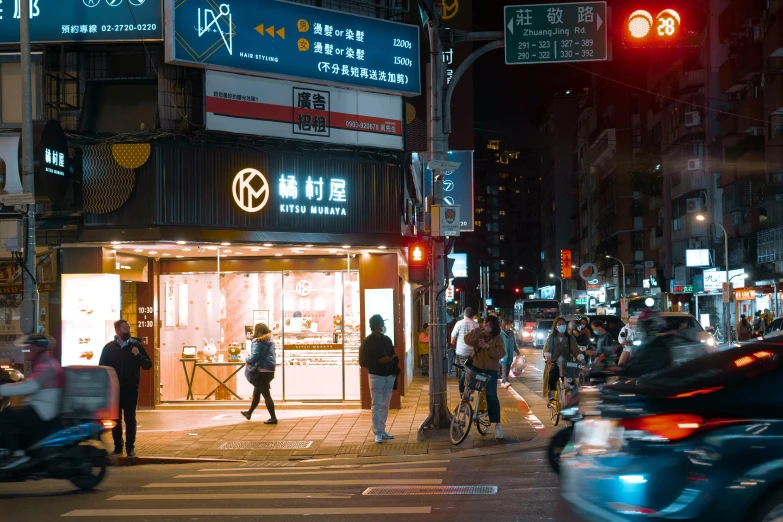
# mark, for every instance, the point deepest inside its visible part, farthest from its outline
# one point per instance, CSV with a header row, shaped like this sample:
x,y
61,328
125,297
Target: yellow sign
x,y
303,26
303,44
450,9
271,31
745,294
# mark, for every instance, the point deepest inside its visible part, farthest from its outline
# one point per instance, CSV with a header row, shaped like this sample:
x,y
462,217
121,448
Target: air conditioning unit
x,y
755,131
692,118
693,204
694,243
694,164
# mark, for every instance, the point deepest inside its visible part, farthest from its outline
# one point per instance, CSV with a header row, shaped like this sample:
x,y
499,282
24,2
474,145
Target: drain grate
x,y
271,445
431,490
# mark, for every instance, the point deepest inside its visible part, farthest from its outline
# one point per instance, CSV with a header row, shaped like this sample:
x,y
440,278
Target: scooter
x,y
8,375
70,447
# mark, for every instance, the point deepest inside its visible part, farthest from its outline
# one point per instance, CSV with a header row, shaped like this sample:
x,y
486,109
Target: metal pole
x,y
29,311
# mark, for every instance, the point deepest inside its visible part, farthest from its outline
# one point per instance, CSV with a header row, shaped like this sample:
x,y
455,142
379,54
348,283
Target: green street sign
x,y
556,33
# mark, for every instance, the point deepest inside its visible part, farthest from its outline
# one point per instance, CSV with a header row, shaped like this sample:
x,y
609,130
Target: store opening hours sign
x,y
250,105
295,41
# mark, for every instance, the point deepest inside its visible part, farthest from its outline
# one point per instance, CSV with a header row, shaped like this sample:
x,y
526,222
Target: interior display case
x,y
90,305
313,316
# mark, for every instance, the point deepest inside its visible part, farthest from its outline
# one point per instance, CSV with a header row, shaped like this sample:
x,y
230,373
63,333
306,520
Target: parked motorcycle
x,y
70,447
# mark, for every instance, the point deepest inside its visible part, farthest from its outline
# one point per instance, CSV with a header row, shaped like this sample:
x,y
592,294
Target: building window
x,y
502,275
502,261
677,224
478,223
493,145
501,188
697,149
502,212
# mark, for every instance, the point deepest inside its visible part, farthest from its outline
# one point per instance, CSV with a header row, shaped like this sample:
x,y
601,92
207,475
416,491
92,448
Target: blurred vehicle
x,y
541,331
529,311
696,341
613,323
775,328
699,441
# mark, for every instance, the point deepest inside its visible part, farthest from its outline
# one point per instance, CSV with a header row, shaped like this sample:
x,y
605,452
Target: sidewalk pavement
x,y
332,434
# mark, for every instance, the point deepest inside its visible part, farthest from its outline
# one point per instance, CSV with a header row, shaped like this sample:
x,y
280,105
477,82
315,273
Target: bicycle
x,y
570,376
465,415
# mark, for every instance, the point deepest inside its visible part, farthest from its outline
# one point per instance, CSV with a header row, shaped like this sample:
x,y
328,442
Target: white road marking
x,y
317,472
248,512
232,496
332,466
386,464
349,482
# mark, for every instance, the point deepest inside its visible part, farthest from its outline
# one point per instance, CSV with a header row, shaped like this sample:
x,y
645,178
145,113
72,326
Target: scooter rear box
x,y
91,392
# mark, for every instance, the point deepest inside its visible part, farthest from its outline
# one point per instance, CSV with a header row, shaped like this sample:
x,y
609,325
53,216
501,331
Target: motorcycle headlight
x,y
710,342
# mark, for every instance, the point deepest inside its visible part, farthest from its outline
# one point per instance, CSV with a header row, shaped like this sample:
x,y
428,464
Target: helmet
x,y
651,322
37,342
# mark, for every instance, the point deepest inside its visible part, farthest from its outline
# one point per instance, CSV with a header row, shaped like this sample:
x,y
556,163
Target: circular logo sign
x,y
304,288
588,271
250,190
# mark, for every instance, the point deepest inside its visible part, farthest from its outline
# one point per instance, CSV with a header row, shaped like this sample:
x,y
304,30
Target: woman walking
x,y
511,350
488,349
260,370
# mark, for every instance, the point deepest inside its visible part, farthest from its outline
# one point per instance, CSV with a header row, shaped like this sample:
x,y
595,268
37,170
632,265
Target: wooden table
x,y
190,376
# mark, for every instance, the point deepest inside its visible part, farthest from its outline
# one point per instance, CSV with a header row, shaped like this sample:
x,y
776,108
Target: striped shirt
x,y
461,329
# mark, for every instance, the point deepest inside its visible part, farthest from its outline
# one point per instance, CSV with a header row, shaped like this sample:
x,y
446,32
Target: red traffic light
x,y
644,29
417,262
517,290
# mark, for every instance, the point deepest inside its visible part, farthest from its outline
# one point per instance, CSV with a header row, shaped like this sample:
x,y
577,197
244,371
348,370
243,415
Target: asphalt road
x,y
526,490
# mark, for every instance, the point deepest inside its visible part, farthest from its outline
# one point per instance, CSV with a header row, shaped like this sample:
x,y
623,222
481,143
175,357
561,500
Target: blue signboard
x,y
84,20
460,268
294,41
457,187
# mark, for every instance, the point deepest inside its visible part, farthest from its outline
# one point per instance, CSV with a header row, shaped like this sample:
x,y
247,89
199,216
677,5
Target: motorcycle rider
x,y
43,389
655,350
604,342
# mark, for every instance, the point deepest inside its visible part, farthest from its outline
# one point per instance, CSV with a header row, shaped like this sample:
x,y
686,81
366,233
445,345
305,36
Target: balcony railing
x,y
603,146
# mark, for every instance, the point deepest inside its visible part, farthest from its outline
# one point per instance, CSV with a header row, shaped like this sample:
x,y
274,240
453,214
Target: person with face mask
x,y
604,342
127,356
43,389
377,355
488,349
559,347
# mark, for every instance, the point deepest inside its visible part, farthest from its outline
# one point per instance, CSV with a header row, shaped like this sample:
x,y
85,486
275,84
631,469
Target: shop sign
x,y
83,20
580,301
316,195
288,40
714,279
745,294
457,186
682,289
565,264
338,346
18,289
50,156
548,292
260,106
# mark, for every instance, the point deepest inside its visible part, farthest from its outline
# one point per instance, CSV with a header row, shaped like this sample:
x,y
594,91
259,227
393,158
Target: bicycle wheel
x,y
460,423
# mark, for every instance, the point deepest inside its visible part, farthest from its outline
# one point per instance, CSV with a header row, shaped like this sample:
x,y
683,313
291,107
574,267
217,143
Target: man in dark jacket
x,y
377,355
127,356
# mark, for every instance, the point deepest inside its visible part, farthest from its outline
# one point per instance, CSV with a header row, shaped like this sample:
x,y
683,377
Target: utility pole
x,y
29,311
439,127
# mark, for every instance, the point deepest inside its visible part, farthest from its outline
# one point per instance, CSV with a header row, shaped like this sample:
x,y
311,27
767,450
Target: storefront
x,y
208,242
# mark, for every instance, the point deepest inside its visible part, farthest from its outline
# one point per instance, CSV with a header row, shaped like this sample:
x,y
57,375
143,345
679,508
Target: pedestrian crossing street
x,y
336,490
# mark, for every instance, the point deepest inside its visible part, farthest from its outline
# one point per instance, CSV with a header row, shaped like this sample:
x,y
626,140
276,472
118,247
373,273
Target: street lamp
x,y
535,274
623,267
702,217
562,288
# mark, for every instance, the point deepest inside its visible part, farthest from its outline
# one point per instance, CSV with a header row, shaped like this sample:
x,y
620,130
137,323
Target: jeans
x,y
129,397
261,387
451,354
493,404
504,370
17,424
461,360
381,387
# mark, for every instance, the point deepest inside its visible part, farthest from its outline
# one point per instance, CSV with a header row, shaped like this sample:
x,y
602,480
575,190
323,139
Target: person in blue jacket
x,y
260,370
511,351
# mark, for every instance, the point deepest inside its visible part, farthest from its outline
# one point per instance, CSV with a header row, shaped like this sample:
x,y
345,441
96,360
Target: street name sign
x,y
294,42
449,166
556,33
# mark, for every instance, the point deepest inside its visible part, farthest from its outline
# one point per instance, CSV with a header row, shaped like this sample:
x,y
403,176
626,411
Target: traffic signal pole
x,y
437,149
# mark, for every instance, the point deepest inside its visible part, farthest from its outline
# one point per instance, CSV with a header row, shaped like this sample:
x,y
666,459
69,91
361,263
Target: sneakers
x,y
379,438
131,453
270,421
507,385
246,414
387,436
498,432
117,452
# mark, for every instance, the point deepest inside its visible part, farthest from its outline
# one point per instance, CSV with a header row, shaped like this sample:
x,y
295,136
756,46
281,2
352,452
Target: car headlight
x,y
526,334
637,342
710,342
540,335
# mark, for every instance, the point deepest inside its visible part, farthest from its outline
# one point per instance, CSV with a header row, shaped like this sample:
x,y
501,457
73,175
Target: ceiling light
x,y
116,242
211,248
279,255
267,244
152,252
382,247
166,254
346,246
309,246
225,244
240,253
180,256
227,251
186,250
138,250
182,242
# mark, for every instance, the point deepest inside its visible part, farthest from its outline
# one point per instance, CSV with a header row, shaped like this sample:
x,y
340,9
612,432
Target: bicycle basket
x,y
475,379
573,370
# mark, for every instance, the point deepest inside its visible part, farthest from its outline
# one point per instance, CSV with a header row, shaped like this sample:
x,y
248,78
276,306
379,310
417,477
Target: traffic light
x,y
517,290
417,262
642,29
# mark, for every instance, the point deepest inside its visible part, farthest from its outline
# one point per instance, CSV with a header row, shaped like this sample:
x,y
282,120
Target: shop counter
x,y
204,365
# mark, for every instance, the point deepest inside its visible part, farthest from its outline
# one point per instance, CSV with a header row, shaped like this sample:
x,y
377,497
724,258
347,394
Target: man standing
x,y
604,342
127,356
377,355
463,328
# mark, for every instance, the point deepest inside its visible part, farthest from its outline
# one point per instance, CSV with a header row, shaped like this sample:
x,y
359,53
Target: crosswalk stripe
x,y
248,512
329,472
387,464
349,482
334,466
233,496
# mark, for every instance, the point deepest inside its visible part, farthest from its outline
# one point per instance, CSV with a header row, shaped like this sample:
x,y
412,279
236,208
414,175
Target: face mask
x,y
581,327
596,332
561,328
125,336
383,330
487,331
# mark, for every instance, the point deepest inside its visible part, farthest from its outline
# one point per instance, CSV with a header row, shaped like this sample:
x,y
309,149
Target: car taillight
x,y
109,424
667,427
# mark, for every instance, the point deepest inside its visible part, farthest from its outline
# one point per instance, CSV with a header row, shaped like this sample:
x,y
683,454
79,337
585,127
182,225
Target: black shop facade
x,y
195,245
